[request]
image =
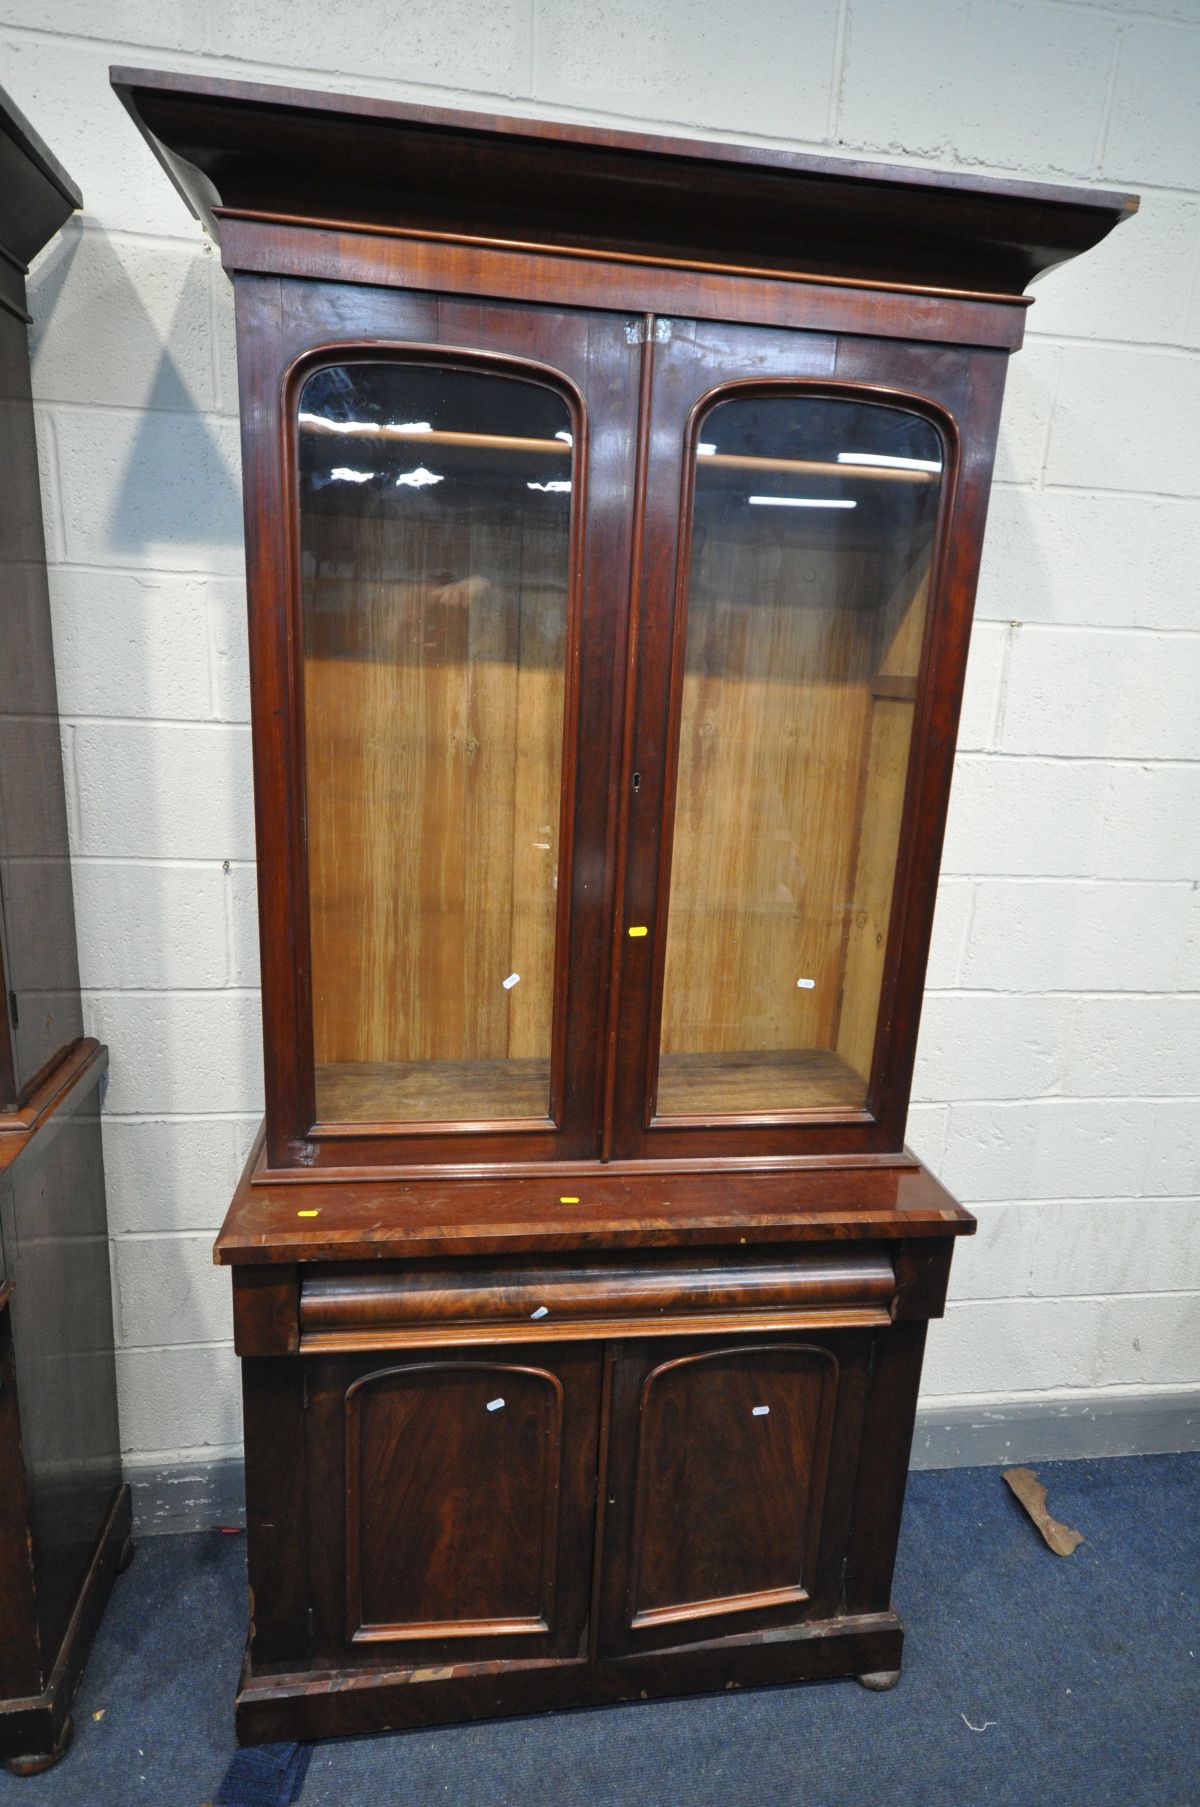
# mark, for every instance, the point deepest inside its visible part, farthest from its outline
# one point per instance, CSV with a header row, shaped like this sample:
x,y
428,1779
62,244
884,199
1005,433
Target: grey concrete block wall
x,y
1058,1086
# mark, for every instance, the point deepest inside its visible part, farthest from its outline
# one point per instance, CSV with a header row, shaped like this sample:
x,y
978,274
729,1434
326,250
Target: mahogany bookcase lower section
x,y
496,1464
276,1707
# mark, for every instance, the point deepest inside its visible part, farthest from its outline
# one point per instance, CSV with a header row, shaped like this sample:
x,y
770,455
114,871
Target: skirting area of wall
x,y
195,1496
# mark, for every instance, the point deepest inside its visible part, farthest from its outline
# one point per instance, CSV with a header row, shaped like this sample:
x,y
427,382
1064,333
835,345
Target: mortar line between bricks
x,y
199,62
1084,993
1104,1298
1117,1391
972,753
192,1452
1110,88
1094,1202
171,1348
1156,496
837,82
174,862
259,69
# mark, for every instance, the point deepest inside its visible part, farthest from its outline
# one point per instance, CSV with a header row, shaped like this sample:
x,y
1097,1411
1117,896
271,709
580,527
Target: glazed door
x,y
451,1504
729,1475
800,639
435,908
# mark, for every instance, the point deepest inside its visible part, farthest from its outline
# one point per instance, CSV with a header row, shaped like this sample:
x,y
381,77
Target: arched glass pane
x,y
435,509
812,532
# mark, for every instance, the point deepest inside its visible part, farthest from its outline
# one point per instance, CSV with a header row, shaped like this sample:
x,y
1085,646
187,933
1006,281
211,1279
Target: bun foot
x,y
33,1766
128,1552
879,1680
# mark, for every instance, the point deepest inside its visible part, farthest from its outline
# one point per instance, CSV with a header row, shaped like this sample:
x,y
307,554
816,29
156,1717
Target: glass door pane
x,y
435,529
811,534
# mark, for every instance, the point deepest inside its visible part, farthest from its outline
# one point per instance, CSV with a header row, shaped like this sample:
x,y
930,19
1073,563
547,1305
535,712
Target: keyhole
x,y
637,783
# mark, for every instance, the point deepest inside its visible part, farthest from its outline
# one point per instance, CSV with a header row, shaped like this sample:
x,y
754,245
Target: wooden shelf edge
x,y
367,1219
87,1060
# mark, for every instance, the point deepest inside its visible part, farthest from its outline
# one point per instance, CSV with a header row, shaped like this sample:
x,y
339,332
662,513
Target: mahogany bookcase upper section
x,y
614,507
300,155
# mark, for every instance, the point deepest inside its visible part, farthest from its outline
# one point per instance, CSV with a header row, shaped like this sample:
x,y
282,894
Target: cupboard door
x,y
437,800
452,1504
793,646
727,1488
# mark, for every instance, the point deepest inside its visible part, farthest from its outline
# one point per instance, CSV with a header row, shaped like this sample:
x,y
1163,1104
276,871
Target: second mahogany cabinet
x,y
614,507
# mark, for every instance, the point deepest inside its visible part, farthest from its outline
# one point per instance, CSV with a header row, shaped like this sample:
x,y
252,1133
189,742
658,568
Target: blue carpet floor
x,y
1084,1673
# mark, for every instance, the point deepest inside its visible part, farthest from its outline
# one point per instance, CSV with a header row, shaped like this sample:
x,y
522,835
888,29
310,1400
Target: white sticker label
x,y
512,979
541,1312
806,984
493,1405
760,1411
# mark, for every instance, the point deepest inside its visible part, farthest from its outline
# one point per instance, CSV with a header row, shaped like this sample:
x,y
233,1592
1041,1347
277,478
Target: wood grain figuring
x,y
452,1485
791,768
434,1091
772,721
355,1307
732,1450
744,1082
438,712
884,768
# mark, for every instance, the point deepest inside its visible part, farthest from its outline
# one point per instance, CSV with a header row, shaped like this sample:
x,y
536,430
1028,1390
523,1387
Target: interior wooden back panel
x,y
434,753
787,811
885,772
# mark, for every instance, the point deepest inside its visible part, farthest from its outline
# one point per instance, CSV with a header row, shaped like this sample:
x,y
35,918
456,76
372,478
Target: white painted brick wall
x,y
1058,1087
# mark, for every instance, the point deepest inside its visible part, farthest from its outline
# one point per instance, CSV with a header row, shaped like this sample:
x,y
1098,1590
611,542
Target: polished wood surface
x,y
351,1306
465,1489
581,1205
539,181
732,1447
581,1366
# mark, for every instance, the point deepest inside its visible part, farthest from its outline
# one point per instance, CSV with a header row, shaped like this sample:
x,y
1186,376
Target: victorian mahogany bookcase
x,y
613,509
64,1514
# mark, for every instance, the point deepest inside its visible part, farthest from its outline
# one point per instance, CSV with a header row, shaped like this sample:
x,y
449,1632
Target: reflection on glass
x,y
812,529
434,526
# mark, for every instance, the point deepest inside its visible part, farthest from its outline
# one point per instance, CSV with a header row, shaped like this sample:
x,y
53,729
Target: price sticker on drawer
x,y
760,1411
494,1405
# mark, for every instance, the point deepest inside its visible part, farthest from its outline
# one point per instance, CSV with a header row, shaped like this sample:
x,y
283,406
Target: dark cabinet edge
x,y
561,1211
252,146
37,194
58,1094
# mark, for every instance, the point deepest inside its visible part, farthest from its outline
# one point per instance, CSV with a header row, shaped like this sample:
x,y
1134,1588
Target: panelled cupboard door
x,y
452,1504
436,802
802,619
729,1474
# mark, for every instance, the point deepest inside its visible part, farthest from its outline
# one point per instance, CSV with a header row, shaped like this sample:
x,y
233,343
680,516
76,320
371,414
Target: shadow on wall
x,y
154,476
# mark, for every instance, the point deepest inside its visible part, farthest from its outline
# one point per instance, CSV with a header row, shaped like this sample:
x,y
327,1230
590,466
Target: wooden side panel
x,y
885,774
61,1308
273,1391
21,1670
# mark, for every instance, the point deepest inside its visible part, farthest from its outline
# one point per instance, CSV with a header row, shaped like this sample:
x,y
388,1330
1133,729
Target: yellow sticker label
x,y
636,934
308,1214
568,1198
